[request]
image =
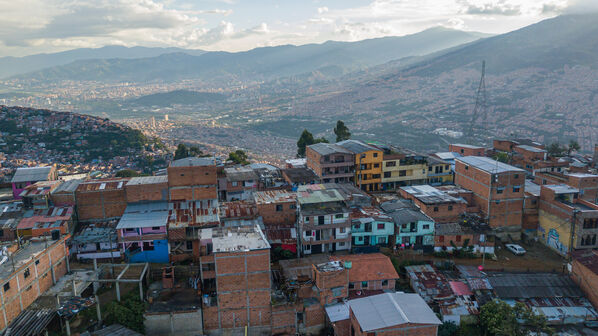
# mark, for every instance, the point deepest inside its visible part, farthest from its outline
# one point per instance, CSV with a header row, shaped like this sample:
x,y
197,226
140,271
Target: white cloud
x,y
322,10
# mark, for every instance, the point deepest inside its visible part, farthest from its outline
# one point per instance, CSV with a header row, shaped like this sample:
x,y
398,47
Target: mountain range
x,y
260,63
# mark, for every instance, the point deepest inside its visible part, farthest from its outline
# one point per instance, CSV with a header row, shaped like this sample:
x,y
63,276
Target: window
x,y
339,216
387,174
189,245
426,227
380,226
6,286
306,219
450,208
155,228
148,246
37,262
234,184
278,207
341,244
458,238
375,176
356,226
516,188
500,190
342,230
293,206
26,274
516,176
351,285
364,284
384,282
462,151
320,220
376,165
307,247
391,163
381,240
360,238
430,168
435,209
402,173
403,226
375,154
466,167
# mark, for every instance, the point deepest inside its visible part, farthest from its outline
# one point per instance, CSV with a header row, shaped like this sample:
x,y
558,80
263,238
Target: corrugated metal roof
x,y
561,188
309,196
240,174
141,215
193,161
430,195
68,186
338,312
532,188
391,309
356,146
520,286
406,215
327,148
448,155
32,174
30,322
488,165
531,149
147,180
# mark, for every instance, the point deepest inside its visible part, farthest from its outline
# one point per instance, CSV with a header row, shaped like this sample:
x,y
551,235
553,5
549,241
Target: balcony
x,y
332,164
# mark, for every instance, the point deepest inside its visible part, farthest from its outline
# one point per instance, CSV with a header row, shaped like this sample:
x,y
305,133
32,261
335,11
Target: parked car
x,y
516,249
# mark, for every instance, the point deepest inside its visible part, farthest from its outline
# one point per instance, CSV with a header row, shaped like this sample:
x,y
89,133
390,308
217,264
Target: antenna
x,y
480,109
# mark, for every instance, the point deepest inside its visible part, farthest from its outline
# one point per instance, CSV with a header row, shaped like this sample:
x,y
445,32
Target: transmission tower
x,y
480,109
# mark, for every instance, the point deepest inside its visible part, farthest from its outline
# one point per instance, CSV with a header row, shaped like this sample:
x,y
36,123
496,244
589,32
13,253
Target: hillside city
x,y
351,237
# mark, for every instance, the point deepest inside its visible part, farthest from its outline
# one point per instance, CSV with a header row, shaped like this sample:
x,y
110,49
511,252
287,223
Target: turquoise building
x,y
413,229
371,226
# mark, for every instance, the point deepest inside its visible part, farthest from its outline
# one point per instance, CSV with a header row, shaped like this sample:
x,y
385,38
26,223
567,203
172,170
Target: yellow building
x,y
402,168
439,172
368,164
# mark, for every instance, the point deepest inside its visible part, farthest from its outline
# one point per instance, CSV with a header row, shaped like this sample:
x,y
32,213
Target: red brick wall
x,y
147,192
192,176
587,281
466,151
101,204
408,329
283,319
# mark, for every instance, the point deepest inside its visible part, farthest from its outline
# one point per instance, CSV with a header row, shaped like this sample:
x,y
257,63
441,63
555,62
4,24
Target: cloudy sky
x,y
33,26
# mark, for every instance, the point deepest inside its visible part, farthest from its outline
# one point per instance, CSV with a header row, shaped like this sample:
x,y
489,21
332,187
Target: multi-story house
x,y
142,233
401,168
467,150
498,190
413,229
235,279
439,171
239,184
26,176
324,221
369,271
371,226
566,222
368,164
331,162
193,196
278,209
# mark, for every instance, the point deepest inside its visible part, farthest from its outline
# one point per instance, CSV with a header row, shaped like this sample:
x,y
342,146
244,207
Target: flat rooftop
x,y
238,174
300,175
25,254
143,215
101,185
356,146
561,188
194,162
532,188
313,193
235,239
31,174
531,149
327,149
142,180
488,165
430,195
467,146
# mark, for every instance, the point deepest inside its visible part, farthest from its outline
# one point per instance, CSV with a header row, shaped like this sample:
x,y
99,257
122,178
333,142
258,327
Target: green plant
x,y
128,312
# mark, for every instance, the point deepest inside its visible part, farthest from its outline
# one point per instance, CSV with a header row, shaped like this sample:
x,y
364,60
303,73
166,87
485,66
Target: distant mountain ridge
x,y
11,66
260,63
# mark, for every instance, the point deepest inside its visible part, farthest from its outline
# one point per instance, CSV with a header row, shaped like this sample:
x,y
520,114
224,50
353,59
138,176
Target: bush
x,y
128,312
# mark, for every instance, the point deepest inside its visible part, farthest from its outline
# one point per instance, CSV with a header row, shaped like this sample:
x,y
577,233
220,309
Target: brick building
x,y
498,190
278,209
440,206
467,150
566,222
34,268
369,272
332,163
584,271
103,199
64,194
239,183
147,189
41,222
586,183
235,279
193,196
331,280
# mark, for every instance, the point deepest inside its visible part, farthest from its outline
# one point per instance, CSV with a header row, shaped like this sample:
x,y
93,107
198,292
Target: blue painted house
x,y
371,226
413,229
142,233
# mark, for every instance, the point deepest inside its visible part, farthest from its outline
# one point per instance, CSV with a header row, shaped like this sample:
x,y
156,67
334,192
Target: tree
x,y
238,157
498,318
448,329
305,140
555,149
127,173
195,151
341,131
181,152
573,146
502,157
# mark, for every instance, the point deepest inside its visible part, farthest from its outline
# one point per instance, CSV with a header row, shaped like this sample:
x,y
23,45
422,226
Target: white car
x,y
516,249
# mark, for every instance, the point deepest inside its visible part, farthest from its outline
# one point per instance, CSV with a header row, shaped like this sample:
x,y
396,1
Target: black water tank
x,y
55,234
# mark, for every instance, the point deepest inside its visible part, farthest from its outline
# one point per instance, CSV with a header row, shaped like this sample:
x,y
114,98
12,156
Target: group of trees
x,y
341,131
498,318
238,157
182,151
557,150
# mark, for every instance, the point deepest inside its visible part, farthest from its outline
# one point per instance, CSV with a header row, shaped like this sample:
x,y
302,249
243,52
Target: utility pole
x,y
480,107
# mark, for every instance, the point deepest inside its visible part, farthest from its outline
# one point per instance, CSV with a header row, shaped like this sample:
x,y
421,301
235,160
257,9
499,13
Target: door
x,y
366,240
419,240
